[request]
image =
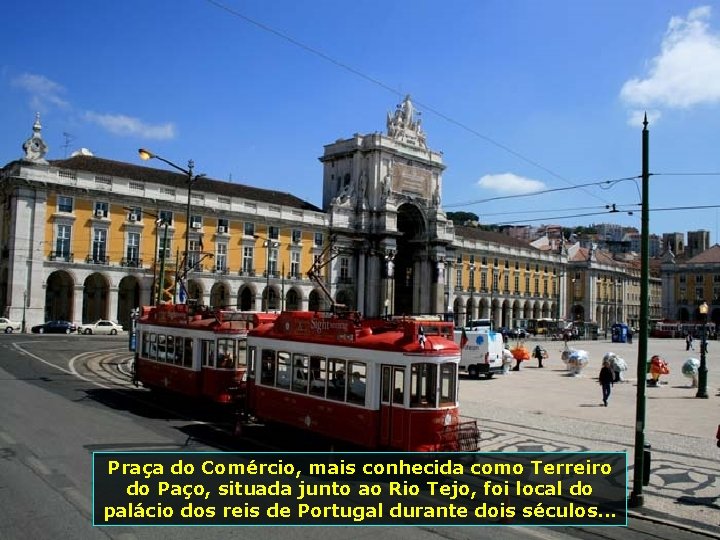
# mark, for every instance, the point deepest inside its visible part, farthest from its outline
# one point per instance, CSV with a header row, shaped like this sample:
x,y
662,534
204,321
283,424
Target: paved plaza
x,y
547,410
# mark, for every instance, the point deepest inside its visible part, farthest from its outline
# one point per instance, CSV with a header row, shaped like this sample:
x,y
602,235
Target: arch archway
x,y
315,302
59,292
95,298
219,295
195,291
246,299
271,299
292,300
128,299
413,230
578,313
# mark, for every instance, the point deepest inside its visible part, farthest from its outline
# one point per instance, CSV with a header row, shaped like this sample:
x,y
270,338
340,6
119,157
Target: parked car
x,y
8,326
100,327
54,327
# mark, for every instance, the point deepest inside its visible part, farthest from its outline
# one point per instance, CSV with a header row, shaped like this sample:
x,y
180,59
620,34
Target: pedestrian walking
x,y
630,335
539,353
689,342
606,379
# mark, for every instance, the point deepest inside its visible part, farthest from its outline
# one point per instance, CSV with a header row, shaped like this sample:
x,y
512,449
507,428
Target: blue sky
x,y
518,95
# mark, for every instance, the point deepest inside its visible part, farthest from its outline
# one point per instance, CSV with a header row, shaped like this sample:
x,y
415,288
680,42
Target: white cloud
x,y
636,117
120,124
510,183
44,93
686,72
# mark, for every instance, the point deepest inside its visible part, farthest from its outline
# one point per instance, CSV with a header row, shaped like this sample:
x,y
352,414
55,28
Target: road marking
x,y
78,499
7,438
38,466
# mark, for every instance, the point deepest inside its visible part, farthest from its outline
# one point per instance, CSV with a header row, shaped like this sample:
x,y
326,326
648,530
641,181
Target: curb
x,y
678,523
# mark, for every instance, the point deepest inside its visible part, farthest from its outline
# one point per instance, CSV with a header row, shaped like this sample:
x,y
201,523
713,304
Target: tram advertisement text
x,y
359,488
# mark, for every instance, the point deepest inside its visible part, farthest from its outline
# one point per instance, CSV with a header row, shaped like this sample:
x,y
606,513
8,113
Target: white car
x,y
100,327
8,326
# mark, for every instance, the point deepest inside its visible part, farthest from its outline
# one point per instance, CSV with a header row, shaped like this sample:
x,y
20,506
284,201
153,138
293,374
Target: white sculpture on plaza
x,y
690,369
575,360
617,364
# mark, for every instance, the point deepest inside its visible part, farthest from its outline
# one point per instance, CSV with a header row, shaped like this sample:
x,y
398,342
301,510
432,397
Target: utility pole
x,y
636,497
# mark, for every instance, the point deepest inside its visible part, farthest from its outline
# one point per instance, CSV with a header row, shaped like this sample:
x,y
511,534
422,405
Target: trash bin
x,y
647,462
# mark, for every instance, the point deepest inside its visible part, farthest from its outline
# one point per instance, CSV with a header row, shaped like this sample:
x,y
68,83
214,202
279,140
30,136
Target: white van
x,y
482,353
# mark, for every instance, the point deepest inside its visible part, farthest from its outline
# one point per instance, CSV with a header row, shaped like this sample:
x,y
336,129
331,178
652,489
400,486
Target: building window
x,y
273,233
527,284
344,270
194,250
223,225
196,222
166,216
62,242
134,213
516,284
247,262
101,210
164,245
495,262
296,236
221,257
65,204
273,261
458,273
133,249
318,239
483,261
483,281
506,282
249,229
537,286
295,264
99,247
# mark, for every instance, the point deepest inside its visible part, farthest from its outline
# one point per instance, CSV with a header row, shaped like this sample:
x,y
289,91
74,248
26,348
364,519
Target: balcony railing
x,y
62,257
97,259
131,262
294,275
247,273
274,275
220,270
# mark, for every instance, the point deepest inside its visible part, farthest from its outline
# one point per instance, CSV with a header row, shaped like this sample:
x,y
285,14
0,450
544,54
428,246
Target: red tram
x,y
199,354
375,383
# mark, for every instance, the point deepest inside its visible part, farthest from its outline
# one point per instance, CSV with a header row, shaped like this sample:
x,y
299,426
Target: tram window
x,y
447,384
226,353
188,356
336,381
399,386
161,348
422,385
318,375
207,351
251,352
173,358
267,370
386,376
283,370
145,341
300,373
356,385
153,347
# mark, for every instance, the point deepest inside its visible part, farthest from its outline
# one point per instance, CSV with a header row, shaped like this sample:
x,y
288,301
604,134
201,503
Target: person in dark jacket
x,y
538,353
606,381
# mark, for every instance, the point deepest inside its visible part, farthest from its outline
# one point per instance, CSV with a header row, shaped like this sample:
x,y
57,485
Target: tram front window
x,y
423,378
398,387
226,353
337,381
448,384
300,373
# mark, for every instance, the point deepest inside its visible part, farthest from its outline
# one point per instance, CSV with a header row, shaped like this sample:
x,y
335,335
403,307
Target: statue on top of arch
x,y
403,127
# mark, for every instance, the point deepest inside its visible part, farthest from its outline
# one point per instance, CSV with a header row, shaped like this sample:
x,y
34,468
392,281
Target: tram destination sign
x,y
341,489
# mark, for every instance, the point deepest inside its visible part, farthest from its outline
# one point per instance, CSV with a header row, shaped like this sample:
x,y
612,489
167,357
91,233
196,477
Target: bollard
x,y
647,461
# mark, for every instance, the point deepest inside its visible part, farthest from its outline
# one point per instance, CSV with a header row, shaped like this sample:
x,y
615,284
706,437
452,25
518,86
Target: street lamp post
x,y
702,371
146,155
24,306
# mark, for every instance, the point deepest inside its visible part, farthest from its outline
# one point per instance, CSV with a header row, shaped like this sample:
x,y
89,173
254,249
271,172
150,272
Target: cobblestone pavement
x,y
547,410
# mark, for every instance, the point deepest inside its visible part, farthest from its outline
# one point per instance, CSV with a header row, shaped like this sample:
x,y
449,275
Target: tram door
x,y
392,410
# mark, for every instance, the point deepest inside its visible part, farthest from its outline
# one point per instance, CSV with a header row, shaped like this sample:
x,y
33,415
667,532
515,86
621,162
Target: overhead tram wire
x,y
395,92
542,192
